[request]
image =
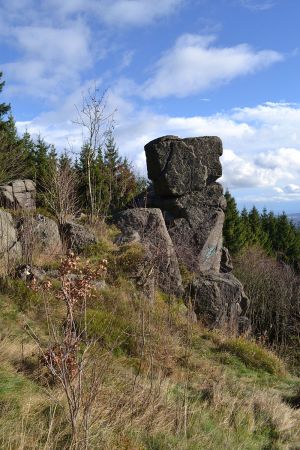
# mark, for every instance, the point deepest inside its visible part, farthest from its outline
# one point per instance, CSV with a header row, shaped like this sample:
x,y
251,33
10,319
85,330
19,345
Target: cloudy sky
x,y
186,67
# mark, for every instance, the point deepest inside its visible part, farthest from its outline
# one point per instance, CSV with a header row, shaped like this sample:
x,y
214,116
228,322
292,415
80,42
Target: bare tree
x,y
60,192
95,122
68,353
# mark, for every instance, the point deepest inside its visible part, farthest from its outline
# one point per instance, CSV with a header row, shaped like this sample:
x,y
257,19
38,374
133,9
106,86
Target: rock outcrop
x,y
184,174
19,194
39,236
10,247
219,300
77,237
148,227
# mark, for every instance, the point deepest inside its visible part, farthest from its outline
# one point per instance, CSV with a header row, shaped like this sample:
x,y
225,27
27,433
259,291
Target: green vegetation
x,y
87,362
164,381
277,235
102,181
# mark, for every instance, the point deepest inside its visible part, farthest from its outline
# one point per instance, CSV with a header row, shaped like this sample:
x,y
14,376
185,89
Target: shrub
x,y
273,289
254,355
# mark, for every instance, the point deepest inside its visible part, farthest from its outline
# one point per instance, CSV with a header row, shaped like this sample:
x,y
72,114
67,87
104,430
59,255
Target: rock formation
x,y
148,227
19,194
184,175
10,248
77,237
39,236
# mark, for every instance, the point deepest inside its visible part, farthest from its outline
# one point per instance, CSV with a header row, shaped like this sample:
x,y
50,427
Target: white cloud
x,y
194,65
240,171
111,12
258,5
51,62
136,12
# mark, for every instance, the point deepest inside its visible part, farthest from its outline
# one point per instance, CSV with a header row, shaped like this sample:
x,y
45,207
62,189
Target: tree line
x,y
276,234
98,181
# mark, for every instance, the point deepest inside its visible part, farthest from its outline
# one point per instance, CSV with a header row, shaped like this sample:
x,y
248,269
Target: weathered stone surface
x,y
226,261
19,194
218,299
77,237
198,242
179,166
30,185
18,186
39,237
148,227
10,248
184,174
47,234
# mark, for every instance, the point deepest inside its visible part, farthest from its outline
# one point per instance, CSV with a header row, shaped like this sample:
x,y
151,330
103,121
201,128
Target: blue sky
x,y
185,67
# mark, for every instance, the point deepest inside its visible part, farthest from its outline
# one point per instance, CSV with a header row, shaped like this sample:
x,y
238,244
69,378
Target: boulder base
x,y
148,227
218,299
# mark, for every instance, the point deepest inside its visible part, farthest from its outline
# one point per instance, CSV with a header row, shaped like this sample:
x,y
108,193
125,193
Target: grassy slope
x,y
166,383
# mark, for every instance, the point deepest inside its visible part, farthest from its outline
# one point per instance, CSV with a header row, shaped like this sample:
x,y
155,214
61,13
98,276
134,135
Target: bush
x,y
254,355
273,289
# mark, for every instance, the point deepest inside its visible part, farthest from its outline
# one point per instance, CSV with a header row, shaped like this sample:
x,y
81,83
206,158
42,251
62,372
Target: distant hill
x,y
295,218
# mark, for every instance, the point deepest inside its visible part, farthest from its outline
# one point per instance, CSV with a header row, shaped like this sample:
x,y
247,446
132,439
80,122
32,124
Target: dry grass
x,y
162,381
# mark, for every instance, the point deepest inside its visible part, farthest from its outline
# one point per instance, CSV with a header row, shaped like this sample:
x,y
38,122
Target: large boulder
x,y
39,236
218,299
148,227
77,237
179,166
19,194
184,174
10,248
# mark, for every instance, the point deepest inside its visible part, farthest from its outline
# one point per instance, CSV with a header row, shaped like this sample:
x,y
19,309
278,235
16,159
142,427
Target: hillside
x,y
163,381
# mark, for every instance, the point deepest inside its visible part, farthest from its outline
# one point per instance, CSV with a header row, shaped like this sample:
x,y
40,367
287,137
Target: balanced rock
x,y
179,166
19,194
148,227
184,174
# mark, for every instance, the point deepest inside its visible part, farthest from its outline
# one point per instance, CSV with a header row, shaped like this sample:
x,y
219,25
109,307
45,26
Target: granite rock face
x,y
180,166
219,300
10,247
39,236
19,194
184,174
77,237
148,227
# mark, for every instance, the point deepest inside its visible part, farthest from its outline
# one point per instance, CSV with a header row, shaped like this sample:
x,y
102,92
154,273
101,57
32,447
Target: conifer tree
x,y
233,230
29,154
12,158
4,107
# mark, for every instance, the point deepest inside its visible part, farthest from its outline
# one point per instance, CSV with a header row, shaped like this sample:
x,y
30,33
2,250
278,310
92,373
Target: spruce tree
x,y
233,230
4,107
